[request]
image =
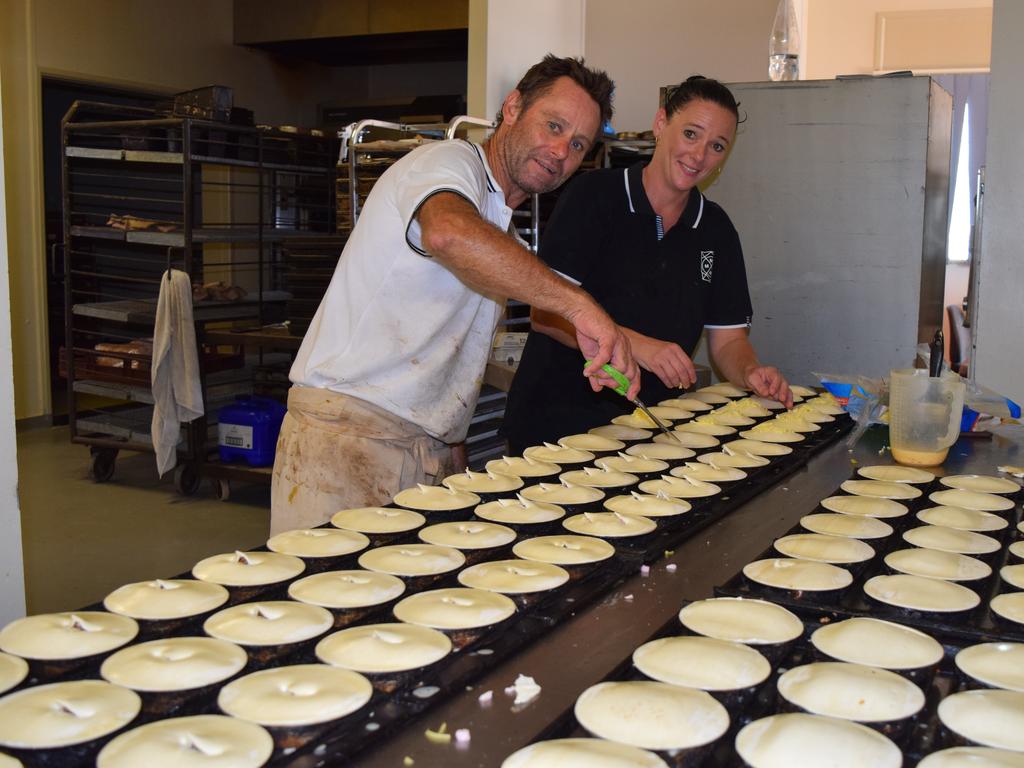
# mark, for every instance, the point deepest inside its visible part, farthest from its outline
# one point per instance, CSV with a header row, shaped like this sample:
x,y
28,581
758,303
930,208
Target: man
x,y
388,374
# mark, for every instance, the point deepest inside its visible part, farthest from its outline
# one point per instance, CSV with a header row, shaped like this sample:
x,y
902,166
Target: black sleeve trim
x,y
415,213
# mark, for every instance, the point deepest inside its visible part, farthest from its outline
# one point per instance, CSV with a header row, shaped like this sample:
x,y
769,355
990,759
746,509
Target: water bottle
x,y
784,44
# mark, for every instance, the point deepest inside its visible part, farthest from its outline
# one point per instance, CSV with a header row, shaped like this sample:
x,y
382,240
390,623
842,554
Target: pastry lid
x,y
435,498
758,447
162,599
767,432
800,739
988,718
651,715
982,502
557,454
680,487
63,714
799,575
728,457
271,622
703,663
582,753
935,564
669,451
412,559
647,505
519,466
13,669
73,635
346,589
691,404
190,742
880,489
998,665
564,549
981,483
246,569
174,664
514,577
455,608
609,525
318,542
851,692
877,643
469,534
962,519
864,506
707,472
1009,606
484,482
384,648
742,620
689,438
562,493
951,540
379,520
835,524
589,442
592,477
519,511
921,594
621,432
972,757
632,465
709,425
896,473
295,696
823,548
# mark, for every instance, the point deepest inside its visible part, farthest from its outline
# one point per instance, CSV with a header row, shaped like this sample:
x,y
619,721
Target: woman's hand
x,y
664,359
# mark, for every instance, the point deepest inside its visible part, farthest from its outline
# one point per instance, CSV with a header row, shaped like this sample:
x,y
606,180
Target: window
x,y
958,244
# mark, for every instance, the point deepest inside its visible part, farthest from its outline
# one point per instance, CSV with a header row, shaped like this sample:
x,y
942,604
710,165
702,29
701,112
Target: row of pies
x,y
681,704
946,556
78,712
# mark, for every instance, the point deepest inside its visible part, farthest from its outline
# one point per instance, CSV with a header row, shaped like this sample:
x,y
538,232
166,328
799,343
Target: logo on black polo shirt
x,y
707,261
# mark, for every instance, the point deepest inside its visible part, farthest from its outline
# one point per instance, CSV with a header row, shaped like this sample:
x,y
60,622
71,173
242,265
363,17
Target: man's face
x,y
546,143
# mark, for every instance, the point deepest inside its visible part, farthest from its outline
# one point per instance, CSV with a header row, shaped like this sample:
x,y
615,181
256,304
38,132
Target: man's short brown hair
x,y
539,79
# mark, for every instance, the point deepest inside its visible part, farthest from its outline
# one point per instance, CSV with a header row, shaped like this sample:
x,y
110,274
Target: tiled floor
x,y
82,539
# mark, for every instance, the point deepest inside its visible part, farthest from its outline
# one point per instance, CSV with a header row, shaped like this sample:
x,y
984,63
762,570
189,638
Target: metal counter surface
x,y
584,650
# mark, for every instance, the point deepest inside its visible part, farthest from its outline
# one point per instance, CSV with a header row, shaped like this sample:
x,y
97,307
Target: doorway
x,y
57,97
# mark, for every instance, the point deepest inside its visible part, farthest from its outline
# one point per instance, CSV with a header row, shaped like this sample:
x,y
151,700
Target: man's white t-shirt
x,y
396,328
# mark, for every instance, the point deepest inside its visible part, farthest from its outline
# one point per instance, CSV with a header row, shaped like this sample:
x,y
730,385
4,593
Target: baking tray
x,y
977,625
925,735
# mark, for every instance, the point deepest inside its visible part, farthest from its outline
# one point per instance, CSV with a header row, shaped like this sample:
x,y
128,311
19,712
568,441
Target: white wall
x,y
12,578
1000,343
645,44
506,39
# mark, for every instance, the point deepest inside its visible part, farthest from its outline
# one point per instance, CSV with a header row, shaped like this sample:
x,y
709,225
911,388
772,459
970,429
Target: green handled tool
x,y
623,387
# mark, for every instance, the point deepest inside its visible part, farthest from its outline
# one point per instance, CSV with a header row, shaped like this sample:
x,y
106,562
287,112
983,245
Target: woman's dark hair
x,y
539,79
703,89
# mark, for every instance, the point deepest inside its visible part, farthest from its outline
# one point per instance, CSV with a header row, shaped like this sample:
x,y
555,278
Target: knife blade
x,y
623,387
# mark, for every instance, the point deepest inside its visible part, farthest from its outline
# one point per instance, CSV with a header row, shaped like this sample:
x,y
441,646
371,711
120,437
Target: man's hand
x,y
602,341
664,359
766,381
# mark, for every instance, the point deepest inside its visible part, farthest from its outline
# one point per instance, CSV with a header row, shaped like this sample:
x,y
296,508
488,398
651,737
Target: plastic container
x,y
784,44
247,430
925,414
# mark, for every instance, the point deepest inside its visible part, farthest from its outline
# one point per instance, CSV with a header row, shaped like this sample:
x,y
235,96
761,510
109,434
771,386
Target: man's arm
x,y
735,357
488,260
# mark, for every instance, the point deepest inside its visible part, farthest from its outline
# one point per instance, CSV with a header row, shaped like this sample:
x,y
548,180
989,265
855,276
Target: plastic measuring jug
x,y
924,415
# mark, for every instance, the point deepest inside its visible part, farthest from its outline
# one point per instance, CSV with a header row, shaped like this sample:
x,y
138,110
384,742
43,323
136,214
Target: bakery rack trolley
x,y
144,191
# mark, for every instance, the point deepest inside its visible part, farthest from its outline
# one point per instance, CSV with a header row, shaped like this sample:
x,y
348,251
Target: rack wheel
x,y
222,488
186,479
103,462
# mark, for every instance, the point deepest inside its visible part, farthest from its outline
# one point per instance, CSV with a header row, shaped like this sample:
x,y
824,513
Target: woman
x,y
663,260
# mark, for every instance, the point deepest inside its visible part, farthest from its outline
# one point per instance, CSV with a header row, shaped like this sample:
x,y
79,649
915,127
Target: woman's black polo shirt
x,y
605,235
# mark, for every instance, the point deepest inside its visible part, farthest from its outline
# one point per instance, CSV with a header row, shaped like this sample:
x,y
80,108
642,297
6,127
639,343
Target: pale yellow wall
x,y
150,44
645,44
841,34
